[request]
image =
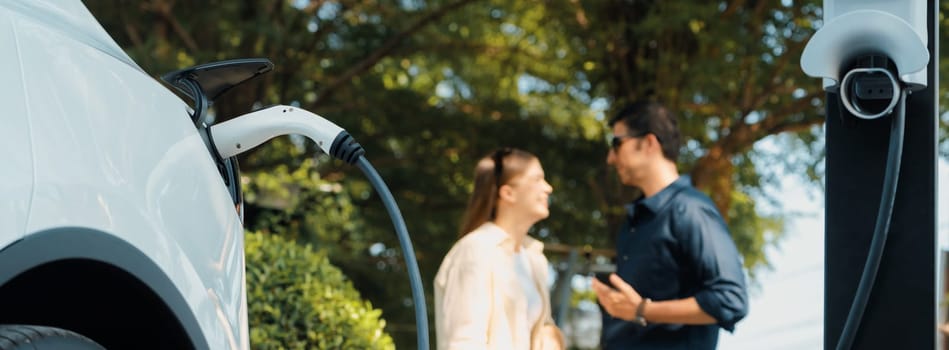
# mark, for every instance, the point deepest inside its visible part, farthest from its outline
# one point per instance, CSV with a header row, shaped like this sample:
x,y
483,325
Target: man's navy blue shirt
x,y
675,245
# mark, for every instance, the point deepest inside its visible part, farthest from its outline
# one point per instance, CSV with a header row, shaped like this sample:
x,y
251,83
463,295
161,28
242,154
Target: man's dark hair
x,y
653,118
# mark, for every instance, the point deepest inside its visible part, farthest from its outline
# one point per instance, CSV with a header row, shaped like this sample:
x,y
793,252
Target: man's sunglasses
x,y
617,140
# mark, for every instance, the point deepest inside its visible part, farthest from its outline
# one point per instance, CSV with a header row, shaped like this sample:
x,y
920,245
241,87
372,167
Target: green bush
x,y
298,300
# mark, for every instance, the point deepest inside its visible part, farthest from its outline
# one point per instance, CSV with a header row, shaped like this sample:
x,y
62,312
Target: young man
x,y
678,274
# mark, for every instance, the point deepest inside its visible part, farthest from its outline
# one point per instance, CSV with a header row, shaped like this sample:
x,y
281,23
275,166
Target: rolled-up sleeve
x,y
706,241
464,310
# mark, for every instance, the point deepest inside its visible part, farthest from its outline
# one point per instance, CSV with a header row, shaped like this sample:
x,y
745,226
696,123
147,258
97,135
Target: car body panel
x,y
17,170
97,143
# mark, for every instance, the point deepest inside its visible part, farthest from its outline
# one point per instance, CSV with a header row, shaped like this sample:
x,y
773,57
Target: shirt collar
x,y
496,235
658,201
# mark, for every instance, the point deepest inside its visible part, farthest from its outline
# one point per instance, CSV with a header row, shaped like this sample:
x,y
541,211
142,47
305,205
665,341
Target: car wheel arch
x,y
96,284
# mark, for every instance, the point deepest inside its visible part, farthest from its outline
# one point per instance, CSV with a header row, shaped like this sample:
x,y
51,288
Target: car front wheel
x,y
22,337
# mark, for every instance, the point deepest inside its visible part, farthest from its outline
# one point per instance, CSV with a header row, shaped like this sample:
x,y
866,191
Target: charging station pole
x,y
901,313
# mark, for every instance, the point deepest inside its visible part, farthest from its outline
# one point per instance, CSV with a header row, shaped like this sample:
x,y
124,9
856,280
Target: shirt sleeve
x,y
467,302
708,245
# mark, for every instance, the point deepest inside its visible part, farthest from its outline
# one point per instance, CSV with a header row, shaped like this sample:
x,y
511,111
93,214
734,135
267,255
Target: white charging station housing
x,y
852,28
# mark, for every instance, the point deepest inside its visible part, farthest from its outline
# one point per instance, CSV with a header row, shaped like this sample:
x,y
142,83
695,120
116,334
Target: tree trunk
x,y
713,174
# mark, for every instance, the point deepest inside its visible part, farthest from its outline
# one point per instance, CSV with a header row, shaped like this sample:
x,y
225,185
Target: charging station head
x,y
860,33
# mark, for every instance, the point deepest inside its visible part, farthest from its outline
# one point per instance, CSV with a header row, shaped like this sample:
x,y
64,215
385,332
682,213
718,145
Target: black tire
x,y
22,337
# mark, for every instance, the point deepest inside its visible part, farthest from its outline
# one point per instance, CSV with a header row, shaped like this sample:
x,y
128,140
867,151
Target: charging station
x,y
900,302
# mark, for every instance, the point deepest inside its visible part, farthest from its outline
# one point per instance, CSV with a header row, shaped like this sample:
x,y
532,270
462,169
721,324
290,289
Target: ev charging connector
x,y
252,129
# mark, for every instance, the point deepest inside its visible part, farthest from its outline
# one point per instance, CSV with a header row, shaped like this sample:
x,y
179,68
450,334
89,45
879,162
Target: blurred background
x,y
430,86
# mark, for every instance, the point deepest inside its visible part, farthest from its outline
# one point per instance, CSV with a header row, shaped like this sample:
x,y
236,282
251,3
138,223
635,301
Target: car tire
x,y
17,337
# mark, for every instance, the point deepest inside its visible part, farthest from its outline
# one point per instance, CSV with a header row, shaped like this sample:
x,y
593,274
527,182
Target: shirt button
x,y
625,257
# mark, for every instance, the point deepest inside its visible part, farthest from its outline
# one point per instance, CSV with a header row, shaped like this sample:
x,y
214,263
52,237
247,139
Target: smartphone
x,y
604,277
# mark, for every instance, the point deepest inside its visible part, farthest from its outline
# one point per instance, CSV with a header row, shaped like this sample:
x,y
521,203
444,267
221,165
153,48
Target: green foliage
x,y
298,300
576,297
299,203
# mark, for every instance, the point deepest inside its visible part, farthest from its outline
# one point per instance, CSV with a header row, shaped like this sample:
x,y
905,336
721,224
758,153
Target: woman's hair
x,y
492,171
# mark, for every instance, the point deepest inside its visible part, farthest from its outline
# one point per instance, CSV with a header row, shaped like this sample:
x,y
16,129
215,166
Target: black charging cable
x,y
875,255
345,148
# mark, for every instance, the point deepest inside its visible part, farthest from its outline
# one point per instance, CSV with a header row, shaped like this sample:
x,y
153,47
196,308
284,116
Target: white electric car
x,y
118,227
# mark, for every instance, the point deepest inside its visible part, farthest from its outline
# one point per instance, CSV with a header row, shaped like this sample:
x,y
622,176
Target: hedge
x,y
298,300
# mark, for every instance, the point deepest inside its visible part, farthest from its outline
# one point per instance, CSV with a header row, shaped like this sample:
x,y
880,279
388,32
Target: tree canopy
x,y
430,86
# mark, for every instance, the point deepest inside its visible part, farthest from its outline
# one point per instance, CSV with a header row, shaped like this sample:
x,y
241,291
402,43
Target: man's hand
x,y
620,302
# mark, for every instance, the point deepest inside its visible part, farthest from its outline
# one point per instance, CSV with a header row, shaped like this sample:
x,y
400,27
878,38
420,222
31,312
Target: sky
x,y
786,310
787,307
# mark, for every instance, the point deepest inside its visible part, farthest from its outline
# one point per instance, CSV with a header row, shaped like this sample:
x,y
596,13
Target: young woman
x,y
491,289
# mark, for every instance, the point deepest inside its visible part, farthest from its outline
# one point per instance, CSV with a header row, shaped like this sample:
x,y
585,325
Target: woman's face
x,y
530,192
